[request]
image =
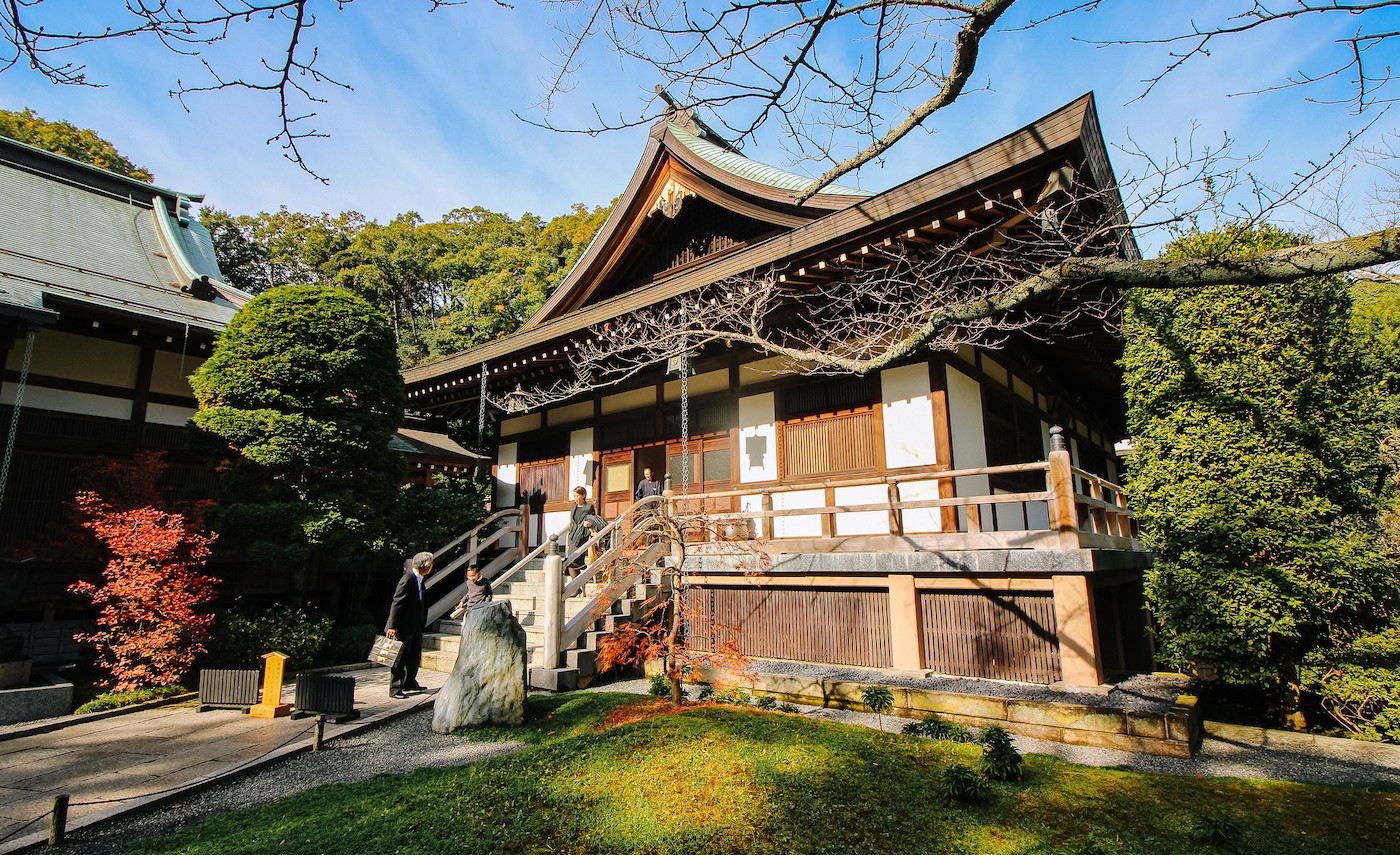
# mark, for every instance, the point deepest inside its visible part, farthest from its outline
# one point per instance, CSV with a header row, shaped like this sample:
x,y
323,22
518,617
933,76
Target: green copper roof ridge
x,y
760,173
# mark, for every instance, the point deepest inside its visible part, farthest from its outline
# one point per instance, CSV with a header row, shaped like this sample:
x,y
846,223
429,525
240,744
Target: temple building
x,y
954,511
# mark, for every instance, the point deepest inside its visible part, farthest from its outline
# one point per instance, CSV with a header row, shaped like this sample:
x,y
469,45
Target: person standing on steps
x,y
584,522
408,617
648,486
478,592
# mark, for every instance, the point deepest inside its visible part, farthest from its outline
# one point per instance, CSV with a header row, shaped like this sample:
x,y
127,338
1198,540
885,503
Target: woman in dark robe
x,y
584,522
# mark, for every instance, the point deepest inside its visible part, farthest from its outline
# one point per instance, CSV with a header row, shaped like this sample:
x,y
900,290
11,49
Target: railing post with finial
x,y
553,597
1059,483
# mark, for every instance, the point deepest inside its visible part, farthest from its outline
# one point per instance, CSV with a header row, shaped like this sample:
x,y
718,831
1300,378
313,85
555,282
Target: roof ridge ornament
x,y
689,119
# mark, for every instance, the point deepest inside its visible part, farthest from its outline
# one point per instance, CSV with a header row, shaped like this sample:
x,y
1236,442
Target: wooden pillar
x,y
1059,483
1081,662
906,640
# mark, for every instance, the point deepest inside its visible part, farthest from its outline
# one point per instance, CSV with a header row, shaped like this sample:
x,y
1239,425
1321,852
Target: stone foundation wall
x,y
1170,734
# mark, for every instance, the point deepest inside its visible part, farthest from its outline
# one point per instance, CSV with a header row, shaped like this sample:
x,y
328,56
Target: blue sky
x,y
430,126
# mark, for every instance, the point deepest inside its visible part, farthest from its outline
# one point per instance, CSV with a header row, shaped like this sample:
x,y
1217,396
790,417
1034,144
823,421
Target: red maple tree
x,y
149,629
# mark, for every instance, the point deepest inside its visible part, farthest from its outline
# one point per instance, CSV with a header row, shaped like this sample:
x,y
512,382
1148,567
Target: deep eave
x,y
1071,132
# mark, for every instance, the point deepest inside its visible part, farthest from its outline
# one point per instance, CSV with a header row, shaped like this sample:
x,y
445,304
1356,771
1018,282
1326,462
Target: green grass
x,y
723,780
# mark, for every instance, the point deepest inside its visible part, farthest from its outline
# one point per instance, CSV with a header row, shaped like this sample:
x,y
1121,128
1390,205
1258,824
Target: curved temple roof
x,y
72,232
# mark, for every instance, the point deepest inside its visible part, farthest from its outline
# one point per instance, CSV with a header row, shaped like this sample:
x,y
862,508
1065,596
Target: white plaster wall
x,y
59,400
582,411
920,520
635,399
800,525
862,522
505,475
700,384
554,523
967,436
76,357
968,439
1009,516
908,416
580,456
169,373
164,414
520,424
758,439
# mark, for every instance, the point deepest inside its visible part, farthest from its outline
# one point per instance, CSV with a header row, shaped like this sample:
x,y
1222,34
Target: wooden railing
x,y
486,536
1058,517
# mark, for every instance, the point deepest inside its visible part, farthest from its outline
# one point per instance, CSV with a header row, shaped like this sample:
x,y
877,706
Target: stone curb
x,y
52,724
191,787
1378,753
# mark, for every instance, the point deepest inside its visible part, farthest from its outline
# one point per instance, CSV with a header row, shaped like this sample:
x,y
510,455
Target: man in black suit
x,y
408,616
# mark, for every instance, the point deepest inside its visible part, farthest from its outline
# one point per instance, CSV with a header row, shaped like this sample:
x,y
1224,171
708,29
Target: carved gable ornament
x,y
669,200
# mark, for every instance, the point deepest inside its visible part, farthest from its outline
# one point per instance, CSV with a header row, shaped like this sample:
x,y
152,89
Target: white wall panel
x,y
758,439
63,401
920,520
908,416
862,522
800,525
580,460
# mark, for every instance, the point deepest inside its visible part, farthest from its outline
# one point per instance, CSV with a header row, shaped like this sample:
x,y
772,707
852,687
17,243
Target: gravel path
x,y
408,742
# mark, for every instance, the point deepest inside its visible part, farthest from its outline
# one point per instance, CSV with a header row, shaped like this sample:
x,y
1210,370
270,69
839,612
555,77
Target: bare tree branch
x,y
40,42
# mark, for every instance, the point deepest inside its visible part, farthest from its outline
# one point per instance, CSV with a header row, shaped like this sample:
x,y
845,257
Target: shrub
x,y
1221,830
958,782
660,686
248,636
933,727
788,708
879,700
350,643
117,700
1000,760
707,692
1358,683
766,703
734,696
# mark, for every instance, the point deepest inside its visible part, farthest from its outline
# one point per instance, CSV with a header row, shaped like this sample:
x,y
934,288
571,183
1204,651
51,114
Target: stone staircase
x,y
524,589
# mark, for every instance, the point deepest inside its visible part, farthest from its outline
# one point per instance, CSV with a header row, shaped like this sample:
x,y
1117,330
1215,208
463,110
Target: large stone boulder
x,y
487,684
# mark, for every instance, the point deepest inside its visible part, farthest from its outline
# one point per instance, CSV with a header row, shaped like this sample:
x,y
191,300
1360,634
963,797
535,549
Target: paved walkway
x,y
109,764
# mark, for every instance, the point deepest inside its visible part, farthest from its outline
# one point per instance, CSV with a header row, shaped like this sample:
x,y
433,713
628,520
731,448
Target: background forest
x,y
470,277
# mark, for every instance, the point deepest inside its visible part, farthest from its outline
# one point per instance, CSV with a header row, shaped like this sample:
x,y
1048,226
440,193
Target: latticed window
x,y
837,444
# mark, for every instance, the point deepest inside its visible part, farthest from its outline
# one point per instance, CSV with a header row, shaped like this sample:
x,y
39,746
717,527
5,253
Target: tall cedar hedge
x,y
1256,475
297,406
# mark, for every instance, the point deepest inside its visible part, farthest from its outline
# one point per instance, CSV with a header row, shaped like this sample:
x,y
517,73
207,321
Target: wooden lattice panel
x,y
995,636
835,626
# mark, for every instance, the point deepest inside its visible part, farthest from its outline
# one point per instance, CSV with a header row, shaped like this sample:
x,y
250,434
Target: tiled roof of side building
x,y
760,173
77,233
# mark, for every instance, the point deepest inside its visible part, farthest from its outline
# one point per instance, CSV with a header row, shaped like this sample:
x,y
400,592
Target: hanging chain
x,y
481,415
685,416
184,346
14,415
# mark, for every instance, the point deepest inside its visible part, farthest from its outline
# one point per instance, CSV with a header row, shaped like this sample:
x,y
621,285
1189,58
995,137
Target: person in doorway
x,y
408,617
478,592
648,486
584,522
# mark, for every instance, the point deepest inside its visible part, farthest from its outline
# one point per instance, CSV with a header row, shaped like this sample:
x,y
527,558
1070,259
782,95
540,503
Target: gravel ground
x,y
408,742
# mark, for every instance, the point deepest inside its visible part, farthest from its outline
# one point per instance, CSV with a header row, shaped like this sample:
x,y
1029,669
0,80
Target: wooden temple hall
x,y
955,512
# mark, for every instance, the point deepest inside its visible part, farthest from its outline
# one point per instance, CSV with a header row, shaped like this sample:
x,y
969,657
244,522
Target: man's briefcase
x,y
386,651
